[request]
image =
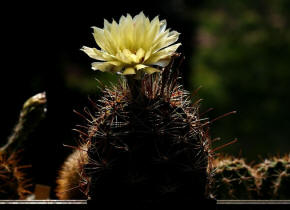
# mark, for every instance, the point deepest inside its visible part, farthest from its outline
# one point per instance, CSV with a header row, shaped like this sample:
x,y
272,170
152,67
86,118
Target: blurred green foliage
x,y
242,60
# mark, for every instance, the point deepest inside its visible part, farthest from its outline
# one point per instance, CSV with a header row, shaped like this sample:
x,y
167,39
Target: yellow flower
x,y
134,45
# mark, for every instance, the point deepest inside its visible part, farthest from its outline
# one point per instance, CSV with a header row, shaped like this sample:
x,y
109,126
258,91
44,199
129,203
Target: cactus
x,y
69,181
147,145
32,112
150,151
13,181
274,178
233,179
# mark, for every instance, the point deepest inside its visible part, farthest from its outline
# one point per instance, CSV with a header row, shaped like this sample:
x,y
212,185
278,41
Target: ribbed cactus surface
x,y
233,179
274,178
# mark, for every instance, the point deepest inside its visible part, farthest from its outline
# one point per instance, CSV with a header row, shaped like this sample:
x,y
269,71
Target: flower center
x,y
133,57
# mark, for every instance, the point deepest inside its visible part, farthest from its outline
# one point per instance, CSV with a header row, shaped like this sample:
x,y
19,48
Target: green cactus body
x,y
233,179
274,178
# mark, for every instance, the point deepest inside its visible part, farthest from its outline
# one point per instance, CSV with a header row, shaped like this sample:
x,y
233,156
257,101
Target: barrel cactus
x,y
147,145
233,179
274,178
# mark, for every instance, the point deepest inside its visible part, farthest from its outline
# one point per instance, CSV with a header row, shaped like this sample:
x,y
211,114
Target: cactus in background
x,y
274,178
13,180
33,111
233,179
14,183
70,180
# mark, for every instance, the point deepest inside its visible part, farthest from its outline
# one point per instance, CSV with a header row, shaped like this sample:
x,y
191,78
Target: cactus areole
x,y
147,145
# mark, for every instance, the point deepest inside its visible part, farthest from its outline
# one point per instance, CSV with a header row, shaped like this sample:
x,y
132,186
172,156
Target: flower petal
x,y
140,66
115,63
107,25
163,24
163,62
129,71
151,70
164,42
102,66
152,32
101,40
162,54
115,34
139,26
93,53
140,54
148,54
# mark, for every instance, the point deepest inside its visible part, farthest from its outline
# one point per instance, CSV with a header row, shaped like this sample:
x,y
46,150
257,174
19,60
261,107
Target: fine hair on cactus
x,y
70,181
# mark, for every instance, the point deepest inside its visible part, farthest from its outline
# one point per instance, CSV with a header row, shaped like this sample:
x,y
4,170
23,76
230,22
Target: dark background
x,y
239,52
